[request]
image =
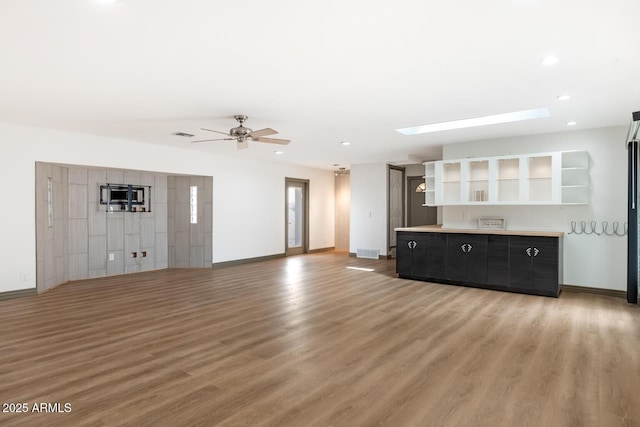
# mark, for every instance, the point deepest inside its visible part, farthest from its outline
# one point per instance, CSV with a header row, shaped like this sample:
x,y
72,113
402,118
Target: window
x,y
49,202
193,204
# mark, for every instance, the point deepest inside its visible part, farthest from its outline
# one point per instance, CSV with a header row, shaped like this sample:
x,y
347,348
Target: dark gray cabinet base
x,y
514,263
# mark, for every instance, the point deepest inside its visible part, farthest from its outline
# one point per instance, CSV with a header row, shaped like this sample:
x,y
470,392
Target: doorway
x,y
395,205
342,216
296,216
417,213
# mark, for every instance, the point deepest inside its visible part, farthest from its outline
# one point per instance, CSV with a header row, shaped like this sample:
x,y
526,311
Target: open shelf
x,y
508,190
508,180
451,192
540,178
430,168
575,159
429,198
478,170
451,172
575,194
575,177
429,183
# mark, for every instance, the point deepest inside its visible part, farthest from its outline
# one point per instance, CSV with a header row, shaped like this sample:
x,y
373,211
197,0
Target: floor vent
x,y
368,253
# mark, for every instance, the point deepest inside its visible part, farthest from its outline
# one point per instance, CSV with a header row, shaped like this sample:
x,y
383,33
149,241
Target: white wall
x,y
368,228
414,170
589,260
248,195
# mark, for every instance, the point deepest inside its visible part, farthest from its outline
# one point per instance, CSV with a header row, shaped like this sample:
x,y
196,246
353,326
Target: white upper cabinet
x,y
575,177
531,179
507,182
430,183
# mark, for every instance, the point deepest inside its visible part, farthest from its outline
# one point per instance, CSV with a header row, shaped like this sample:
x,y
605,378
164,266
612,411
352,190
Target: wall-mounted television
x,y
126,197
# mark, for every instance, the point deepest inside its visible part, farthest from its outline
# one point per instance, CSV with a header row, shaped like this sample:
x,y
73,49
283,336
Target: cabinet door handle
x,y
466,247
536,251
528,251
412,244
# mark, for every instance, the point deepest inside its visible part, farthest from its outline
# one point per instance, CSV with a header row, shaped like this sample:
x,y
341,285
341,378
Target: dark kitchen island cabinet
x,y
420,255
533,265
516,261
411,254
466,258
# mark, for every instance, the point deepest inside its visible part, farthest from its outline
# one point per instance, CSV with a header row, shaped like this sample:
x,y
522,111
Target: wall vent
x,y
368,253
184,134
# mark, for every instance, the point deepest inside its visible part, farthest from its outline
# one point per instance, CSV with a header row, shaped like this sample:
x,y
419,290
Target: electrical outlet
x,y
112,257
24,277
134,254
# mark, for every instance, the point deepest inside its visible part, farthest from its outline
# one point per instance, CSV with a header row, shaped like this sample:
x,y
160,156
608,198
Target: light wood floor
x,y
305,341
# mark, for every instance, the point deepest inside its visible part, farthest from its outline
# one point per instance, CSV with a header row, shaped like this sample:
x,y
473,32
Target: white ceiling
x,y
319,72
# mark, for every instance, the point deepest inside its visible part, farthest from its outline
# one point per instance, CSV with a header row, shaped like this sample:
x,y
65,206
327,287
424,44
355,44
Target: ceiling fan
x,y
242,135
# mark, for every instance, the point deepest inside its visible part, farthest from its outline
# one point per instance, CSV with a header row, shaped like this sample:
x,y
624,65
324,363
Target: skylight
x,y
516,116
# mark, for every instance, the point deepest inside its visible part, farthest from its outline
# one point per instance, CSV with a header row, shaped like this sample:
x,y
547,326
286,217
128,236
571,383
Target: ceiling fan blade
x,y
262,132
243,145
217,139
211,130
273,140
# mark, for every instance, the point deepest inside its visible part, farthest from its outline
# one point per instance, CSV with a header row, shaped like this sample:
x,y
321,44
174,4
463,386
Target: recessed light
x,y
563,97
278,152
571,123
477,121
550,60
345,143
106,1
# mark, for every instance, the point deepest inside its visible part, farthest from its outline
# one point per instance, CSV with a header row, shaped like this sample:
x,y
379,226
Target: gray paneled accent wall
x,y
207,205
114,236
160,224
114,227
85,241
189,245
171,220
51,236
98,240
78,224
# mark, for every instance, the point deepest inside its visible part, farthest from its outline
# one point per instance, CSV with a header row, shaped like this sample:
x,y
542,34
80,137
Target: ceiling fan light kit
x,y
242,134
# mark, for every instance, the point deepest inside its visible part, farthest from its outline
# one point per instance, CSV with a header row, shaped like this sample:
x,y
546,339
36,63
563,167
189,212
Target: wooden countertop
x,y
439,229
